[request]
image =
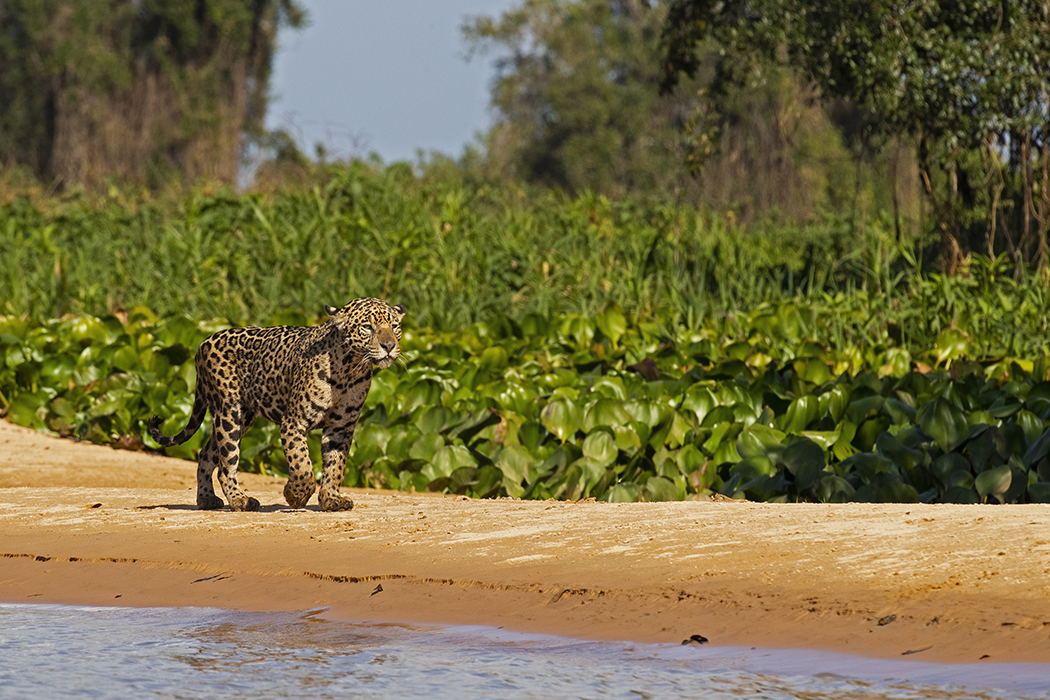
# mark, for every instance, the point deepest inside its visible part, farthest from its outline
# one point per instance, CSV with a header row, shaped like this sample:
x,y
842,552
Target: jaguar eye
x,y
366,331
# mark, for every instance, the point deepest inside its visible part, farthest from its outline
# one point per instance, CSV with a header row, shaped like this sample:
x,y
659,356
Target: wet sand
x,y
85,524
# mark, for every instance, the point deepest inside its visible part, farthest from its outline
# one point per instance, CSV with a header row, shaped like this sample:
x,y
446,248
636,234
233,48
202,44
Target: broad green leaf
x,y
600,447
993,482
951,344
624,493
561,417
700,400
612,323
760,441
945,423
1039,492
802,411
812,370
1032,426
1038,400
658,488
515,462
609,412
426,447
1038,449
892,449
833,489
948,464
805,459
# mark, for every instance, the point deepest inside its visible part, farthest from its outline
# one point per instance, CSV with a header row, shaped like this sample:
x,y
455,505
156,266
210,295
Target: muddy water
x,y
67,651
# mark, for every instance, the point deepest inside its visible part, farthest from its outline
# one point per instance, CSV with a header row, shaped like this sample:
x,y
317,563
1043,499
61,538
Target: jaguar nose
x,y
388,345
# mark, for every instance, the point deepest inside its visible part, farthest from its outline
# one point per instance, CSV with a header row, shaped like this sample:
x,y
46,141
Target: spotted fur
x,y
301,379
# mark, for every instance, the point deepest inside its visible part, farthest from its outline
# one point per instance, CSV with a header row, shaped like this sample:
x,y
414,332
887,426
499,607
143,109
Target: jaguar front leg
x,y
301,484
335,446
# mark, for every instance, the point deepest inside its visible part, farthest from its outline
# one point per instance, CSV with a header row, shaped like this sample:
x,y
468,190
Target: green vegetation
x,y
143,91
642,352
968,82
454,253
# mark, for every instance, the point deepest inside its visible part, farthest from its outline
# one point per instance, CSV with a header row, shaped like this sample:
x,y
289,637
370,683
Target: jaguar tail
x,y
196,418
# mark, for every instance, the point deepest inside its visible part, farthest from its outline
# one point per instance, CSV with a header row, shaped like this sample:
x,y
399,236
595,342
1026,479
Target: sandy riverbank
x,y
91,525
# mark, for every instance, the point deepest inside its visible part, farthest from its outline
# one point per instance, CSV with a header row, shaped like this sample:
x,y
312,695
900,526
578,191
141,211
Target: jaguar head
x,y
371,326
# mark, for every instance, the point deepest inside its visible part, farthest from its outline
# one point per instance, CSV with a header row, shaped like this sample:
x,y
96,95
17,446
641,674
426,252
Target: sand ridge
x,y
91,525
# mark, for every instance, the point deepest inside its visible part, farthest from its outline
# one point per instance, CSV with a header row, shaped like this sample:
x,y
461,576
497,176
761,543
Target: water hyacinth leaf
x,y
680,427
515,461
737,351
805,459
627,437
802,411
373,435
858,410
612,323
843,447
1004,407
493,358
892,449
833,489
1019,477
56,370
866,465
833,403
948,464
1038,400
1032,426
951,344
900,412
562,418
28,409
812,370
752,468
425,392
531,435
960,494
945,423
1009,440
993,482
434,419
600,448
700,400
897,492
659,488
448,459
607,412
718,416
611,387
1039,492
643,411
1038,449
759,440
624,493
426,447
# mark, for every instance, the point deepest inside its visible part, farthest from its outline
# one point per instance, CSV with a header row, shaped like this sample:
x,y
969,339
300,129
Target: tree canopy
x,y
969,80
137,90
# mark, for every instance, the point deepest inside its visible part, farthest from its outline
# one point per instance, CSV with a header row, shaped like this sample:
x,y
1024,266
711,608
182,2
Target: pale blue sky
x,y
383,75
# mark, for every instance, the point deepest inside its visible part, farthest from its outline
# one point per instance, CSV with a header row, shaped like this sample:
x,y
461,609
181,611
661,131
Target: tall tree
x,y
575,92
579,107
136,90
969,80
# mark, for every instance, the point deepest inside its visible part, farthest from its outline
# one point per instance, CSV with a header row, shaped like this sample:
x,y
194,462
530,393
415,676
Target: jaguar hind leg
x,y
228,428
206,498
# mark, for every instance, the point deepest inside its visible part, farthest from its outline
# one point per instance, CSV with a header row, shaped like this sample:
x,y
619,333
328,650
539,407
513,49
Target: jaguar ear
x,y
330,310
400,309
